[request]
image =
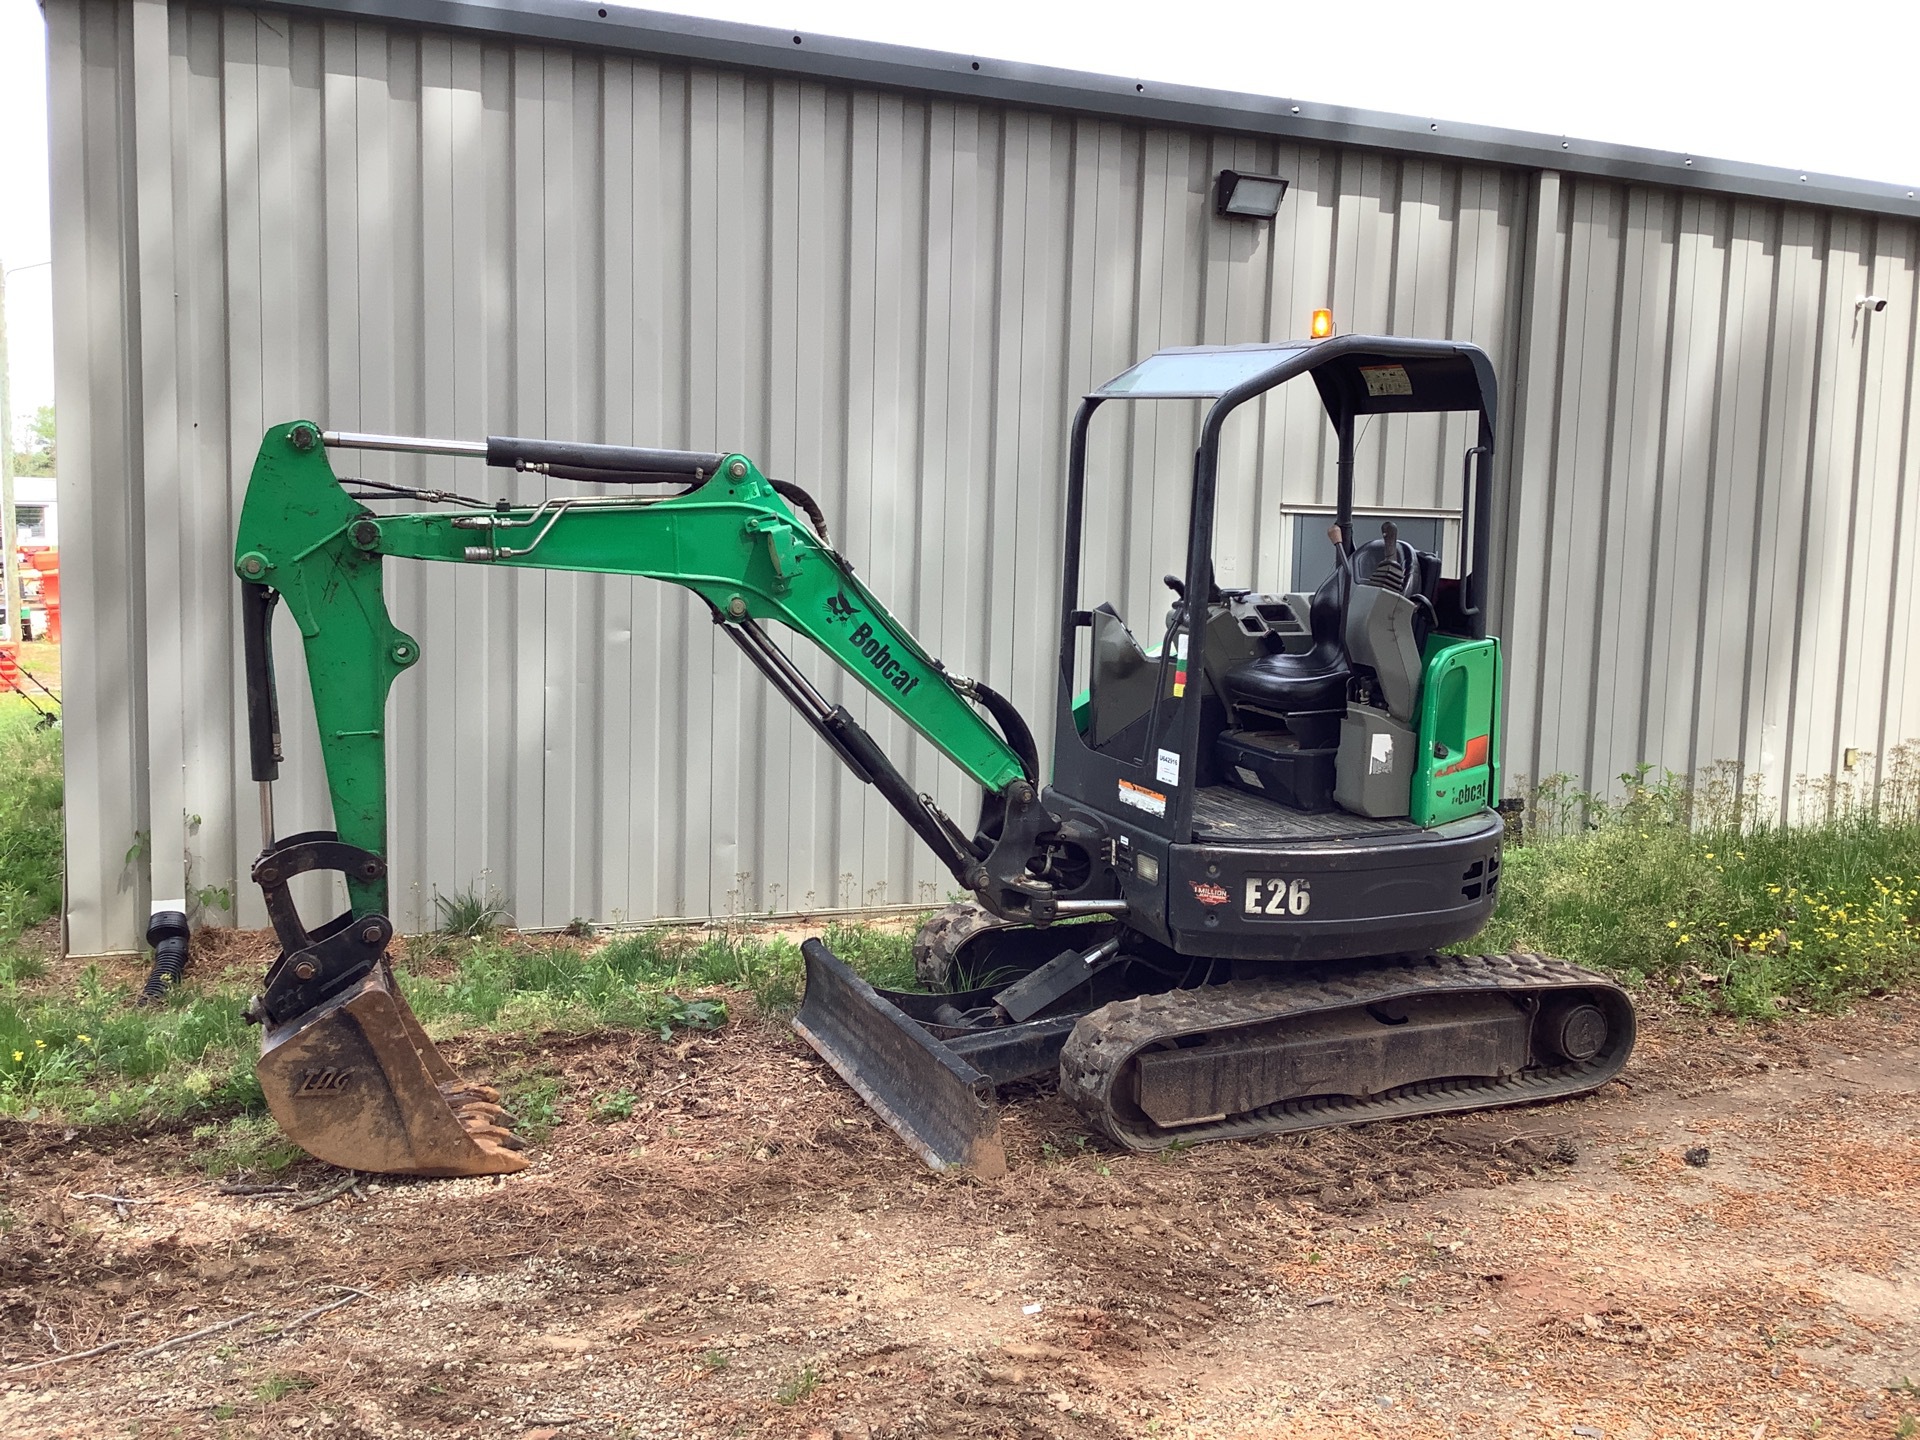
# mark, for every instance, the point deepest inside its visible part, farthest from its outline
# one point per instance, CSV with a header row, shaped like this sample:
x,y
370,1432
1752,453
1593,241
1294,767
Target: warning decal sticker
x,y
1387,380
1141,798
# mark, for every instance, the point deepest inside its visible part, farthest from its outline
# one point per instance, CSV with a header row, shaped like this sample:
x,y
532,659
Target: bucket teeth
x,y
494,1134
356,1082
482,1110
462,1092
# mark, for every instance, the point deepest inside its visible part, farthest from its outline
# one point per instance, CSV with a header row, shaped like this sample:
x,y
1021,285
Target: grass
x,y
88,1055
247,1144
475,913
1689,886
534,1102
85,1054
277,1386
31,832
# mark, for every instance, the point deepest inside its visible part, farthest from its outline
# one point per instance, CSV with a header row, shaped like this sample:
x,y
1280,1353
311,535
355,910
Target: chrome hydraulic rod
x,y
408,444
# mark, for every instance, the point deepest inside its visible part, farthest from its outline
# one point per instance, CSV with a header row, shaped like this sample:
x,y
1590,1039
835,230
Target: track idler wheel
x,y
357,1083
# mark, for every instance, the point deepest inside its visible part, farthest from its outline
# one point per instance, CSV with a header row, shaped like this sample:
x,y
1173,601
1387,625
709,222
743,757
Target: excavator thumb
x,y
348,1072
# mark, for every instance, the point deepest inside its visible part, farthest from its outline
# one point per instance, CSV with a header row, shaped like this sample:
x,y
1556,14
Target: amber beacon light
x,y
1322,326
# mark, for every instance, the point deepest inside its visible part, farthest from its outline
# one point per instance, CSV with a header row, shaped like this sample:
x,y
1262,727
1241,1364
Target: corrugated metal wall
x,y
1717,492
895,301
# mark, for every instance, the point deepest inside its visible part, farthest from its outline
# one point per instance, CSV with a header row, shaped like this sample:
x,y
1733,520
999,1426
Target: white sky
x,y
1817,88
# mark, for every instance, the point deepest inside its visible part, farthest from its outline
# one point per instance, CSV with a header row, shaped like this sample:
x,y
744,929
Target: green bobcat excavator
x,y
1219,917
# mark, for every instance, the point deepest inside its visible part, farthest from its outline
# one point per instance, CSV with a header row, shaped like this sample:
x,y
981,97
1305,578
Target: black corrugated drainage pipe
x,y
167,933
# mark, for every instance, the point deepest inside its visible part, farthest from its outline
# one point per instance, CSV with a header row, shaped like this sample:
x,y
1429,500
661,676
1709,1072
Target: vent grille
x,y
1481,878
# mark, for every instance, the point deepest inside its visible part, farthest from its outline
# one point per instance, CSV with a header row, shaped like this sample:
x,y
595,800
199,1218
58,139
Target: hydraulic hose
x,y
807,505
1019,737
1013,728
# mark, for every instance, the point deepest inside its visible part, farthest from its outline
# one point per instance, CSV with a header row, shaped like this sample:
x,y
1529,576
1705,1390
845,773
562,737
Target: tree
x,y
38,456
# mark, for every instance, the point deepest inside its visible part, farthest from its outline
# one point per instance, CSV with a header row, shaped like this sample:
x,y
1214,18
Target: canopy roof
x,y
1356,374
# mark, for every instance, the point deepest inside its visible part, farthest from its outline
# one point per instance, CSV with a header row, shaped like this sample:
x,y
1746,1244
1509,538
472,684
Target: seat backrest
x,y
1326,614
1429,585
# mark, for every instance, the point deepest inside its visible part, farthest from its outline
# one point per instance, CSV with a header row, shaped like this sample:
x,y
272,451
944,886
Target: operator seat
x,y
1317,680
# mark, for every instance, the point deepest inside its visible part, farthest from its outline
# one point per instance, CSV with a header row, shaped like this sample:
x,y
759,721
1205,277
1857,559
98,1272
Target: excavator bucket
x,y
357,1083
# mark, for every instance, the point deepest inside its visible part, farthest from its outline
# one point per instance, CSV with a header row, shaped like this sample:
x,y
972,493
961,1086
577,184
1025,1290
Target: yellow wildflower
x,y
18,1056
84,1039
39,1044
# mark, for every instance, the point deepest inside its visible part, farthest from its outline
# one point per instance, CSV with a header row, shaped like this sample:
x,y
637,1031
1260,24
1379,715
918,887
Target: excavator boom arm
x,y
730,538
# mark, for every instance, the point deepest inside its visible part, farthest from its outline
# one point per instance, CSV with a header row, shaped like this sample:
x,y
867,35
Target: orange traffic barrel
x,y
47,562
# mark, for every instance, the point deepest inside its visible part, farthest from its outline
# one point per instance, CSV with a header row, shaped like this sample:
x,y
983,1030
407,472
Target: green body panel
x,y
733,541
1459,712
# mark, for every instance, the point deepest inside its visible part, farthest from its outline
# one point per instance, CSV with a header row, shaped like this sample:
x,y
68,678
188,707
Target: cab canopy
x,y
1355,374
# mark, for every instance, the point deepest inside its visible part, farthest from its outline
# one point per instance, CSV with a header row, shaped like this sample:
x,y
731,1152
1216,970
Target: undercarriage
x,y
1155,1050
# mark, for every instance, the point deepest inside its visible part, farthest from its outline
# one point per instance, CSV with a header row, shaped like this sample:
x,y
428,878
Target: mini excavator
x,y
1223,916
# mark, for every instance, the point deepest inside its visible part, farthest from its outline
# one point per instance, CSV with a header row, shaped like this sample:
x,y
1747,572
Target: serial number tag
x,y
1270,895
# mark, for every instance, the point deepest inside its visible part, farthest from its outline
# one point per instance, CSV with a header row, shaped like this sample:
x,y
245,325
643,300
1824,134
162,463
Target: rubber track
x,y
938,943
1102,1045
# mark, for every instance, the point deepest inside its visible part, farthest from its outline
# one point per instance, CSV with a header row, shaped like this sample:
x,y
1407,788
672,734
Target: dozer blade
x,y
357,1083
938,1103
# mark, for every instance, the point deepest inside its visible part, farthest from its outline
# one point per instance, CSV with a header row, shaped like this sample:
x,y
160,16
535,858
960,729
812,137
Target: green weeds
x,y
277,1387
534,1103
1693,888
249,1143
31,828
517,987
92,1057
475,913
618,1105
799,1387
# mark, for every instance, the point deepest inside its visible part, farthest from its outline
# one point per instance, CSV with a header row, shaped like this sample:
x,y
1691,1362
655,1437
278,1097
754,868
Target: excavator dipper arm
x,y
347,1069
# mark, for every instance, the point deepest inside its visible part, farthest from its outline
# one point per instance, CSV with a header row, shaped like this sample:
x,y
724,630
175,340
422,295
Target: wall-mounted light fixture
x,y
1248,197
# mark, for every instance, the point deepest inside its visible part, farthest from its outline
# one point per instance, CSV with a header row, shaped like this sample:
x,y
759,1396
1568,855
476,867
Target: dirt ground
x,y
748,1252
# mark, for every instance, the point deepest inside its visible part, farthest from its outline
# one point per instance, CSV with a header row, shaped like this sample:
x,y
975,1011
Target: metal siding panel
x,y
1299,448
1237,301
1733,576
431,696
1881,339
1577,478
92,232
823,786
1790,413
214,862
1900,723
1624,610
1824,561
1526,483
1686,486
